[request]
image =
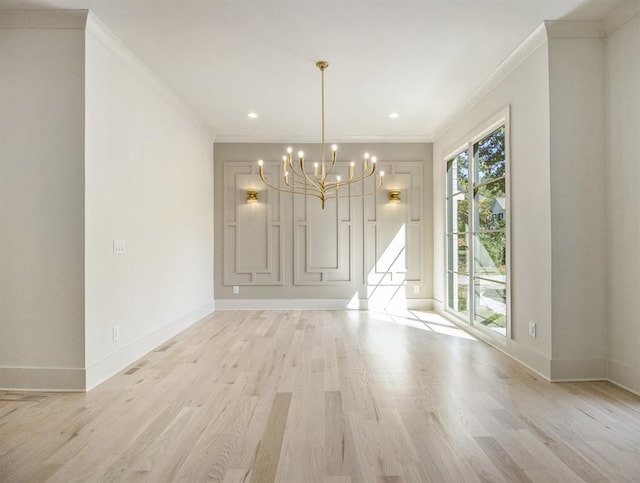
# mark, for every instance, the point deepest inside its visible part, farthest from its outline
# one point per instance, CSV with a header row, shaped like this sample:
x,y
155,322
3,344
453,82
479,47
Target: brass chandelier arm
x,y
306,176
362,195
365,175
315,182
334,157
301,174
293,191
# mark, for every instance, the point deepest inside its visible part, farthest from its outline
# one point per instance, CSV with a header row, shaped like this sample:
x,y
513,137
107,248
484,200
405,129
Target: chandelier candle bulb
x,y
319,183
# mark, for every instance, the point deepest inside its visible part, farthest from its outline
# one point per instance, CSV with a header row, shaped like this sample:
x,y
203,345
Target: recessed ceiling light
x,y
253,115
393,115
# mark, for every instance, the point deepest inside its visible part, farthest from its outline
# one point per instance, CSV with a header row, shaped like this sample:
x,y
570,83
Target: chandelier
x,y
318,180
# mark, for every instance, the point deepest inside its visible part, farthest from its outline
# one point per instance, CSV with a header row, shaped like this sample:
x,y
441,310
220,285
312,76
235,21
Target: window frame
x,y
501,118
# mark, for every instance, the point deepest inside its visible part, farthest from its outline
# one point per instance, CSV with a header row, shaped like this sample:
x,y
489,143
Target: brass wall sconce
x,y
394,196
252,196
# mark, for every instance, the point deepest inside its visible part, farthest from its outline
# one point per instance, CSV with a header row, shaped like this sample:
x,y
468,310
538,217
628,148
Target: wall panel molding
x,y
393,233
286,248
323,239
253,233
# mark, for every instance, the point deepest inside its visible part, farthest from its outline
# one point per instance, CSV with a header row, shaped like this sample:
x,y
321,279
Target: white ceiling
x,y
417,58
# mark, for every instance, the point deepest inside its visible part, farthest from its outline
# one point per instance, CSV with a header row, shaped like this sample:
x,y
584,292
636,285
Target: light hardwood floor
x,y
323,396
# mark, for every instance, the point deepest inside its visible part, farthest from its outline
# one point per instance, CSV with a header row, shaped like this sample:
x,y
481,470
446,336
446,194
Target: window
x,y
477,218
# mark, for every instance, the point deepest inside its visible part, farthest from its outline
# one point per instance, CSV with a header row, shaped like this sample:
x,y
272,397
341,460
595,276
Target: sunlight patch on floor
x,y
423,320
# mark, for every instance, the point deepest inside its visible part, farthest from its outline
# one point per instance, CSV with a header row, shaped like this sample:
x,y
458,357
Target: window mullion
x,y
470,231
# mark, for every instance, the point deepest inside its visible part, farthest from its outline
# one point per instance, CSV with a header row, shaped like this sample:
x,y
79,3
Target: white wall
x,y
149,181
578,201
522,84
94,148
623,162
278,250
41,204
558,195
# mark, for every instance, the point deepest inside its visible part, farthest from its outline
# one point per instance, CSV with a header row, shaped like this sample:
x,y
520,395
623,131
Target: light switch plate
x,y
119,247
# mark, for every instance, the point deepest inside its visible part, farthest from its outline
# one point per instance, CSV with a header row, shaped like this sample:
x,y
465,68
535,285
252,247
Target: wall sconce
x,y
394,196
252,196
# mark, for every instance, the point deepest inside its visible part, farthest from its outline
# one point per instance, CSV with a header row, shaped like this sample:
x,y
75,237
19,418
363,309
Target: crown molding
x,y
105,36
574,29
44,19
511,63
548,30
246,139
621,15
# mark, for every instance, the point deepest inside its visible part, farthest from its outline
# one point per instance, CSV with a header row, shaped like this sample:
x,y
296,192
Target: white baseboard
x,y
46,379
625,376
286,304
578,370
532,360
311,304
105,368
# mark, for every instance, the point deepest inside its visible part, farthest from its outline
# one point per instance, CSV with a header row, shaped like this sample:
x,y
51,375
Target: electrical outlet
x,y
119,247
532,329
115,332
236,290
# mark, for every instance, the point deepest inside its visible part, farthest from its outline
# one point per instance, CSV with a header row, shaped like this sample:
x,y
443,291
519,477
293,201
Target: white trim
x,y
310,304
284,304
510,64
574,29
620,16
626,388
47,379
624,376
524,356
500,118
109,366
102,34
411,304
231,138
44,19
563,370
550,29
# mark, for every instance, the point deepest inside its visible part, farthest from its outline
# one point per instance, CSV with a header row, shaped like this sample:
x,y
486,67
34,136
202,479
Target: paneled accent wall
x,y
252,232
323,238
287,247
393,232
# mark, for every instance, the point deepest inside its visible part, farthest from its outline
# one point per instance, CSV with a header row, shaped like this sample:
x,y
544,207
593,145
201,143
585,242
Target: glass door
x,y
476,232
489,274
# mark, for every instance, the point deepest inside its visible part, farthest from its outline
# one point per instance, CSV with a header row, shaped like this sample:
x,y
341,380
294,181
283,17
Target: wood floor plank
x,y
268,455
328,397
501,458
